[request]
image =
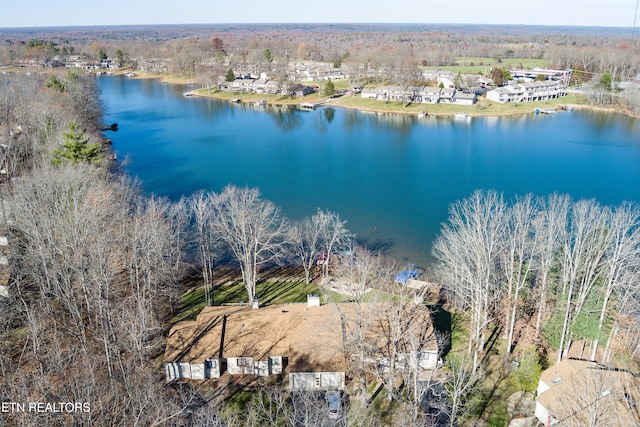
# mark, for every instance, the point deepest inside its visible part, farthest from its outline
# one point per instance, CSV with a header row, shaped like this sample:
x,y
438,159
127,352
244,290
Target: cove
x,y
391,176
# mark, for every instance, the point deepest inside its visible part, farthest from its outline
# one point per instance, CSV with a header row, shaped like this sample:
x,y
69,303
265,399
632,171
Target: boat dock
x,y
310,106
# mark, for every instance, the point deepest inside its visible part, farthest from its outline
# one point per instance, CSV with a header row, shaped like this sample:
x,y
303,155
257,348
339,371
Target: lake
x,y
392,177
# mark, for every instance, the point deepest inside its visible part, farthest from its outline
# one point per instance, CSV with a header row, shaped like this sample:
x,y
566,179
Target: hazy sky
x,y
40,13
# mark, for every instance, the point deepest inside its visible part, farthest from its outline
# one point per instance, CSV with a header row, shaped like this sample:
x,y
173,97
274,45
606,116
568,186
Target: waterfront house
x,y
233,340
446,95
370,93
464,98
265,85
428,95
302,90
244,85
528,92
580,392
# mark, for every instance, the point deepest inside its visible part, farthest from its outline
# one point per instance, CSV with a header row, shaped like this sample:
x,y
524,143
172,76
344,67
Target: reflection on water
x,y
392,177
285,117
329,113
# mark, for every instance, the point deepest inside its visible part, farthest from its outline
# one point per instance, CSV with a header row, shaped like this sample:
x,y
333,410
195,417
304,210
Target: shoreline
x,y
399,110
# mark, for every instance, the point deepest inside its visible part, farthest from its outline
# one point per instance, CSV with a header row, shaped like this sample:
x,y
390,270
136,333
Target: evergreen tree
x,y
76,148
120,57
230,76
329,89
56,84
268,55
605,80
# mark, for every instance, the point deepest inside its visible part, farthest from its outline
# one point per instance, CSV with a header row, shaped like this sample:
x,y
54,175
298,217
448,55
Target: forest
x,y
97,270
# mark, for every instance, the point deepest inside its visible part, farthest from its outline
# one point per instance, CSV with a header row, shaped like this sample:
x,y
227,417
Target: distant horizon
x,y
314,23
77,13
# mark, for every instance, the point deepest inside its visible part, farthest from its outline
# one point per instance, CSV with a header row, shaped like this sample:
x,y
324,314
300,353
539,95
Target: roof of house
x,y
564,370
462,95
583,390
430,90
311,337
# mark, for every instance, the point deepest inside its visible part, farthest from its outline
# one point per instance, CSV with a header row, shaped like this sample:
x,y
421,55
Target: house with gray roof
x,y
446,95
265,85
527,92
422,95
464,98
428,95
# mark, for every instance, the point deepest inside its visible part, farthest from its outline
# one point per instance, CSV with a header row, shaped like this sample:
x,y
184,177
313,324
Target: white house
x,y
447,82
527,92
428,95
463,98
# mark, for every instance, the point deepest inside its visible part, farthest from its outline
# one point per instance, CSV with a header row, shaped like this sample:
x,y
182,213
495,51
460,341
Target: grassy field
x,y
268,292
287,290
481,108
478,65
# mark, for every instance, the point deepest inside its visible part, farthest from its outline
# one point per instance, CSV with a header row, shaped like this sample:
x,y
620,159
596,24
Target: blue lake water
x,y
392,177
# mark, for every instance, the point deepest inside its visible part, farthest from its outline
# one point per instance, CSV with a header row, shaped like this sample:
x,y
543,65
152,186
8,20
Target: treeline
x,y
192,50
385,53
567,270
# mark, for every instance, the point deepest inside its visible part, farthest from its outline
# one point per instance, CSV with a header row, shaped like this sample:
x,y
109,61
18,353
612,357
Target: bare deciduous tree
x,y
467,251
312,238
518,255
583,250
252,227
550,225
207,240
621,259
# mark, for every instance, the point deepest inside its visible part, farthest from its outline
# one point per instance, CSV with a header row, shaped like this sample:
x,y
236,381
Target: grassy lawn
x,y
497,385
472,65
482,107
496,388
268,292
338,84
253,97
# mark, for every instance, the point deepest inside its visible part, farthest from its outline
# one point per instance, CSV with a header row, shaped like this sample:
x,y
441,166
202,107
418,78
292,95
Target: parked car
x,y
334,405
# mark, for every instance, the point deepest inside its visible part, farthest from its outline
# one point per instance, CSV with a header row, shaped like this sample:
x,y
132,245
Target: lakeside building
x,y
67,61
423,95
562,76
286,339
528,92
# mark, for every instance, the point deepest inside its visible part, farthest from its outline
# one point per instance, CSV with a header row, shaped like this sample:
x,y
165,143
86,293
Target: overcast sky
x,y
41,13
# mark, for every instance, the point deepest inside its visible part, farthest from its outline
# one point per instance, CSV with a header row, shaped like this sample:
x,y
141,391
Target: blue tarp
x,y
408,273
